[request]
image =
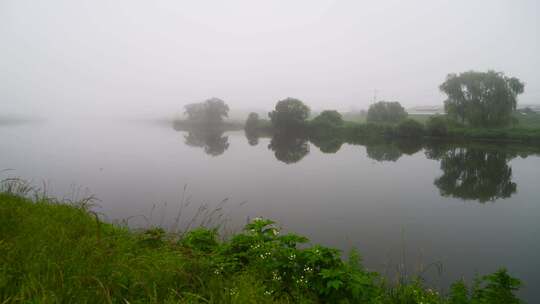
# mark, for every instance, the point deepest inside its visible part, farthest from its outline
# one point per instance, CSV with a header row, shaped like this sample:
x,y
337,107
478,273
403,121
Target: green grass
x,y
357,117
527,130
528,121
52,252
55,253
518,134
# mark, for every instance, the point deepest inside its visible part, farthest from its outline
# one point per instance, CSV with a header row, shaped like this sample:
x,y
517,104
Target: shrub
x,y
410,128
287,269
386,112
437,126
51,253
201,239
328,118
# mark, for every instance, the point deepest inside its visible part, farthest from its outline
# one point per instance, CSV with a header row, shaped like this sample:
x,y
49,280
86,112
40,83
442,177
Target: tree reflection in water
x,y
471,173
327,144
289,148
210,139
252,137
391,150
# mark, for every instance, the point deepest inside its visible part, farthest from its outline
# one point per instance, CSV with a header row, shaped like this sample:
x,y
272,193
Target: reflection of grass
x,y
57,253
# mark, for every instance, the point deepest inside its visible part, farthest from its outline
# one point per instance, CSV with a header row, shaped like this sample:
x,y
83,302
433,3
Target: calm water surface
x,y
470,208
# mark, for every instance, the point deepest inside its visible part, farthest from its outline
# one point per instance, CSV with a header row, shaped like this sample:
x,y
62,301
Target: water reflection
x,y
383,151
252,138
327,144
390,150
472,173
210,139
289,148
469,172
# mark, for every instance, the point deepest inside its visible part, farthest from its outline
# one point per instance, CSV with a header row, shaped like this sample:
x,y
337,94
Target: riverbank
x,y
53,252
410,129
526,130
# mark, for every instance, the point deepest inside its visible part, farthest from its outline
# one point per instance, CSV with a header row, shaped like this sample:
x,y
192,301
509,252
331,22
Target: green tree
x,y
210,111
322,131
386,112
481,99
410,128
328,118
437,126
290,113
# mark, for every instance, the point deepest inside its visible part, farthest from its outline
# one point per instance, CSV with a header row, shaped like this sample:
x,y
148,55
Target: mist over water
x,y
89,91
385,199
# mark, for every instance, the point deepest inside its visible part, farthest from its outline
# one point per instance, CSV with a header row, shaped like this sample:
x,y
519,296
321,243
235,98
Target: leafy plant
x,y
410,128
200,239
153,237
437,126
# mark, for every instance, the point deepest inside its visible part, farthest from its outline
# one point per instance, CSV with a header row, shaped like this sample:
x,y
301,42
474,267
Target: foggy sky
x,y
135,57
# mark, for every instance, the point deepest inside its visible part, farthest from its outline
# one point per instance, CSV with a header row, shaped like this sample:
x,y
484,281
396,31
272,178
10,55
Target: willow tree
x,y
481,99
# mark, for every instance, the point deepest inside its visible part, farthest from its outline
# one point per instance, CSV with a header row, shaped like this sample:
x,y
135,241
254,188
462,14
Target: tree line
x,y
474,99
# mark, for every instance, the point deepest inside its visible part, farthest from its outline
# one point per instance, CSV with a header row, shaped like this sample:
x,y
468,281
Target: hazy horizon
x,y
137,58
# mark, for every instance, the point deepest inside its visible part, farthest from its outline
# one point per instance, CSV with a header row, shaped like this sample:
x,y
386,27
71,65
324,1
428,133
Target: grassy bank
x,y
515,134
52,252
417,127
525,130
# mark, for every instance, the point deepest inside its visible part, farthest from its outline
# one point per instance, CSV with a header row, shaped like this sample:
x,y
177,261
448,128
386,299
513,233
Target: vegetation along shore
x,y
58,252
480,106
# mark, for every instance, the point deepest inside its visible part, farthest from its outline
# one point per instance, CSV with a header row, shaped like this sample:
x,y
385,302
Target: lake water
x,y
471,209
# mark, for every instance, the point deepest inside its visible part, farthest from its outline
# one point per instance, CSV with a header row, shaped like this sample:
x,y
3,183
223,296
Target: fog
x,y
131,58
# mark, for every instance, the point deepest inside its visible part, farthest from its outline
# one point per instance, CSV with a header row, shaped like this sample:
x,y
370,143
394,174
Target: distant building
x,y
426,110
535,108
